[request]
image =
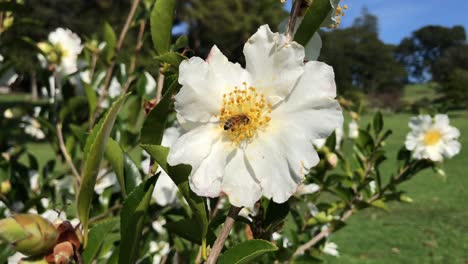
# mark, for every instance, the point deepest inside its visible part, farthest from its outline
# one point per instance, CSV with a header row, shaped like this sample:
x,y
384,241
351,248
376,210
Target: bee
x,y
236,120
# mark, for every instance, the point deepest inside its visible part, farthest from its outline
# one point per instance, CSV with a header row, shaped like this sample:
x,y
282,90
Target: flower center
x,y
243,112
432,137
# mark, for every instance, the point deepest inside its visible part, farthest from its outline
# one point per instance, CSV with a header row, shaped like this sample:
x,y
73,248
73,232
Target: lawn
x,y
433,229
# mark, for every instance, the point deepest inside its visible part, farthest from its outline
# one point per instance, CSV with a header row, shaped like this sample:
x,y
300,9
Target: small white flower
x,y
331,248
353,129
32,127
159,249
432,139
372,187
304,189
8,114
150,86
115,89
33,180
158,225
277,236
69,45
104,181
253,128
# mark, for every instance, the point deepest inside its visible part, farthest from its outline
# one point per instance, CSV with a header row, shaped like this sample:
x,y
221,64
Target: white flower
x,y
353,129
372,187
331,248
304,189
159,249
432,139
165,191
104,181
8,114
150,86
16,258
114,88
69,45
252,129
33,128
33,180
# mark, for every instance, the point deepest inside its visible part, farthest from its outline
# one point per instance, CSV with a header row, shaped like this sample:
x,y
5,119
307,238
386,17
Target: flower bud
x,y
332,159
5,187
45,47
29,234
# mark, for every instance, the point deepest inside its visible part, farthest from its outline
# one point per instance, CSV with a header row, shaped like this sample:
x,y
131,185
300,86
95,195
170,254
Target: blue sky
x,y
398,18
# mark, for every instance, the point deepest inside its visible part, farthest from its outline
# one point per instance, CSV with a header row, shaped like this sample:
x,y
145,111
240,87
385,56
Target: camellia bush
x,y
207,162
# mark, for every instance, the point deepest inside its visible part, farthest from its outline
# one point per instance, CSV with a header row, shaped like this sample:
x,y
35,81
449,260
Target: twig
x,y
138,46
292,19
223,235
68,159
160,85
106,213
110,70
325,232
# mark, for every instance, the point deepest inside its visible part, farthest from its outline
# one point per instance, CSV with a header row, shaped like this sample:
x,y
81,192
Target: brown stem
x,y
138,46
68,159
106,213
325,232
110,70
223,235
292,19
160,85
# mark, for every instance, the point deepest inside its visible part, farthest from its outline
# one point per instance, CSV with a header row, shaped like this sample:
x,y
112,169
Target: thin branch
x,y
110,70
223,235
160,85
105,214
138,46
292,19
68,159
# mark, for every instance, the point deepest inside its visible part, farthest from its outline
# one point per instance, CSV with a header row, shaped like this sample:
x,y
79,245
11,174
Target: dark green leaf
x,y
92,98
172,58
153,128
12,6
246,252
93,153
114,154
331,141
111,42
132,218
96,235
161,20
314,17
378,122
181,42
190,230
276,213
179,175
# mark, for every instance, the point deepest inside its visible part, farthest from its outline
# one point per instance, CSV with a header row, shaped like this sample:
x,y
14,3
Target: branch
x,y
68,159
219,243
110,70
292,19
138,46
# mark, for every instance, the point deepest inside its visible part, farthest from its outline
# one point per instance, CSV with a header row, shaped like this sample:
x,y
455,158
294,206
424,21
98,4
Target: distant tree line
x,y
365,67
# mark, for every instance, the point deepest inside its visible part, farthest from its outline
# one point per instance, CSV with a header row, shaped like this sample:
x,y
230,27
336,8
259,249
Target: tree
x,y
228,24
361,60
420,51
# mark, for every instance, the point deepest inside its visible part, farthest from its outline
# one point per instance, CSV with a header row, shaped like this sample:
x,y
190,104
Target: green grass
x,y
433,229
416,92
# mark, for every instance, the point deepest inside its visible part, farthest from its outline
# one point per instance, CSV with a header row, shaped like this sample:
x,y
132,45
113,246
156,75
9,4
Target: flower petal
x,y
270,164
206,180
239,182
451,148
165,191
274,64
203,84
194,146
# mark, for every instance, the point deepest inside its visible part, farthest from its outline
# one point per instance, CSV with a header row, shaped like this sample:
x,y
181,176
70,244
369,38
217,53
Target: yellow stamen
x,y
432,137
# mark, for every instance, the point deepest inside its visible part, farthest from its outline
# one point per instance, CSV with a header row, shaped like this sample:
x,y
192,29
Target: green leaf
x,y
96,235
172,58
115,155
111,42
92,98
132,218
161,20
179,175
188,229
246,252
380,204
93,153
314,17
181,42
378,123
275,214
153,128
